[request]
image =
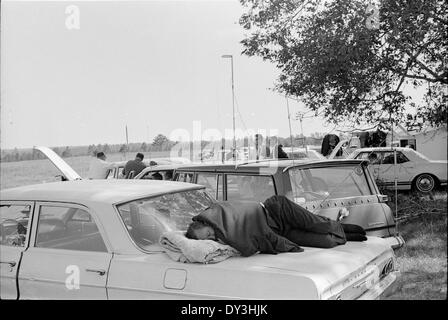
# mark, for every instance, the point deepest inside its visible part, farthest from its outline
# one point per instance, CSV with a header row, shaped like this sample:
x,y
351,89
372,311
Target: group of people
x,y
99,168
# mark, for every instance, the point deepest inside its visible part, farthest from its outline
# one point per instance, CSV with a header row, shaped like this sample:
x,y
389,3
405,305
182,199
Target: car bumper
x,y
395,242
376,291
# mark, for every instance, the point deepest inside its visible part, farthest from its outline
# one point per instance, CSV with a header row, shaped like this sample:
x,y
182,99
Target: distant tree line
x,y
160,143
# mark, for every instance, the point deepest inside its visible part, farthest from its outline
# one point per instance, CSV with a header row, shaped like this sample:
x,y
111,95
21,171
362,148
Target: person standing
x,y
281,154
135,165
99,167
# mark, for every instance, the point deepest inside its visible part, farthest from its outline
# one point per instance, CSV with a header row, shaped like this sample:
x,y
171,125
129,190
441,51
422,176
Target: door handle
x,y
11,263
101,272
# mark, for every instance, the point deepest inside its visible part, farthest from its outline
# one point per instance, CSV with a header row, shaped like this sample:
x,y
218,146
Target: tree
x,y
91,151
347,60
66,153
161,142
123,148
106,148
144,147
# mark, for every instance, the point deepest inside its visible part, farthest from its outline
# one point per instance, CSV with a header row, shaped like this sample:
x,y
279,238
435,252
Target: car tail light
x,y
388,267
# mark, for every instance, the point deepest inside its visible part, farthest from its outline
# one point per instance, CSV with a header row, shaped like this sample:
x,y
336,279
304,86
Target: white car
x,y
98,239
81,240
413,170
302,153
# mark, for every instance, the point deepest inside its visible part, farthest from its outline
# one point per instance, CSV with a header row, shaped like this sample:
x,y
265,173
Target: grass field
x,y
15,174
422,261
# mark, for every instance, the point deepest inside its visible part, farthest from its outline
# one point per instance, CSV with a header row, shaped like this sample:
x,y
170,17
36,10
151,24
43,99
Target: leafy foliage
x,y
347,60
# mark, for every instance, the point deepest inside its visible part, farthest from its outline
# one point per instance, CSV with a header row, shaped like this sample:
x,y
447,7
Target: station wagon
x,y
321,186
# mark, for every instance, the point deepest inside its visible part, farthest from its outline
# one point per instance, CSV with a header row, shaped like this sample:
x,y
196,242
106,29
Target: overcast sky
x,y
155,66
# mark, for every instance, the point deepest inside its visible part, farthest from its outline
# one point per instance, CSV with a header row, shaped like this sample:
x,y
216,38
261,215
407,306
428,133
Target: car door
x,y
401,169
15,219
68,256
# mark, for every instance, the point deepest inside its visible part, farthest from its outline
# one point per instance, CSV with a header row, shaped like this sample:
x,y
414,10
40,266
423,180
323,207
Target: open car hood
x,y
67,172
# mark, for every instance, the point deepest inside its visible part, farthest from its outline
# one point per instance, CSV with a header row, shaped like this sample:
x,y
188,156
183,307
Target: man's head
x,y
139,156
101,155
200,231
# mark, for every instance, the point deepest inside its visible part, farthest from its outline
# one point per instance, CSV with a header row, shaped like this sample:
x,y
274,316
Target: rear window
x,y
314,184
147,219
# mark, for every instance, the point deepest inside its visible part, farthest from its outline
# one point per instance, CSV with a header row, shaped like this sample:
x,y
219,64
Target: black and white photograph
x,y
232,154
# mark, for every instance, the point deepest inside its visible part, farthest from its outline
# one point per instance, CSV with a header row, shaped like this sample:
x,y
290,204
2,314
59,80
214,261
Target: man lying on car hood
x,y
277,225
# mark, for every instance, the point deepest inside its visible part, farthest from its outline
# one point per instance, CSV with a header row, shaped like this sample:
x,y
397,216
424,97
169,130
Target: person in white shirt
x,y
99,167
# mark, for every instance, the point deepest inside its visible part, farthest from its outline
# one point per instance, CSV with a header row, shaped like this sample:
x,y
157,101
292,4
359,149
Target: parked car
x,y
321,186
413,170
302,153
166,172
117,171
98,239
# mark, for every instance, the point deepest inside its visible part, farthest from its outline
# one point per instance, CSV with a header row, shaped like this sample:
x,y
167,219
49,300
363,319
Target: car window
x,y
184,177
147,219
220,188
14,221
373,157
62,227
209,180
328,183
111,174
388,158
245,187
158,175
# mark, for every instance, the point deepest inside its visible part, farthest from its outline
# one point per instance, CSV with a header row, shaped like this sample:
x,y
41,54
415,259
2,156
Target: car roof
x,y
383,149
162,167
95,191
256,166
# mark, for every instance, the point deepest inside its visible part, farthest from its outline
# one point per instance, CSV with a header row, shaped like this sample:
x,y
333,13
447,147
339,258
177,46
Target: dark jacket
x,y
243,225
133,165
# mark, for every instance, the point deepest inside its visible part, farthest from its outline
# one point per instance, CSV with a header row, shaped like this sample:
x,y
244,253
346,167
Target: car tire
x,y
425,183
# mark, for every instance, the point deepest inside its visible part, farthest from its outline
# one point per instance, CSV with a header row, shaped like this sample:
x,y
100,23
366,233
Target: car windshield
x,y
147,219
317,184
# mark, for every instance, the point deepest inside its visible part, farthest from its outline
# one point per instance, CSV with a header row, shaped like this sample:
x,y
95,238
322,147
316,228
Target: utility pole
x,y
289,121
127,142
299,116
233,105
